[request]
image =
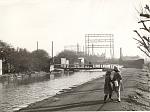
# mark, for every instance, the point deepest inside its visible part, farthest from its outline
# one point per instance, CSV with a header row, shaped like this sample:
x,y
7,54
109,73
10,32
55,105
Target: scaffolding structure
x,y
100,41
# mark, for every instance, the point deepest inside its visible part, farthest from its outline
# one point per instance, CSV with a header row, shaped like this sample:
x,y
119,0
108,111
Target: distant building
x,y
81,61
64,62
130,57
132,62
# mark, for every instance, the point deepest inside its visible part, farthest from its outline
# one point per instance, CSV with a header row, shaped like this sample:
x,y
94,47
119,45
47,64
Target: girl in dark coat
x,y
107,86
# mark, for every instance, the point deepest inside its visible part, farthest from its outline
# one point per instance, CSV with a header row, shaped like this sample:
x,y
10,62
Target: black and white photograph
x,y
74,55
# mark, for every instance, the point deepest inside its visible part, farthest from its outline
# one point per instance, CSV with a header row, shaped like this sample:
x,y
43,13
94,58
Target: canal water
x,y
18,95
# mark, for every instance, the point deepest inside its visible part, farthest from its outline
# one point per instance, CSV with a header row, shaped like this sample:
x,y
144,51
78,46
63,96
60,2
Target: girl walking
x,y
117,82
107,86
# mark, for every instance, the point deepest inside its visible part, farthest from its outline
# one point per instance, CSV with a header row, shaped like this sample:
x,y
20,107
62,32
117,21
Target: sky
x,y
65,22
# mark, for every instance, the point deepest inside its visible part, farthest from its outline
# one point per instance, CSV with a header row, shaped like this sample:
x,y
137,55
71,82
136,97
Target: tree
x,y
21,60
5,51
143,40
40,60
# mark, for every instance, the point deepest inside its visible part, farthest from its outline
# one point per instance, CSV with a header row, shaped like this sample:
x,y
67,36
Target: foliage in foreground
x,y
143,39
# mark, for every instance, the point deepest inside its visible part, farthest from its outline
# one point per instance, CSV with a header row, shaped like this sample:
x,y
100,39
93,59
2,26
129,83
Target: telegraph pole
x,y
83,50
37,46
120,53
77,48
52,54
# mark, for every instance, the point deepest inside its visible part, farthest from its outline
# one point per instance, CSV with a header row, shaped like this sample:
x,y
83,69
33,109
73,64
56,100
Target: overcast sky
x,y
24,22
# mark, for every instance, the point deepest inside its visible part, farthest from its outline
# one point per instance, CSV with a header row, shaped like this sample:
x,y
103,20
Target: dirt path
x,y
89,96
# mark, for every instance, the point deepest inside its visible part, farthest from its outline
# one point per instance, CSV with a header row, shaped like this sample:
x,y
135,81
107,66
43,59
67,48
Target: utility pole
x,y
121,56
37,46
83,50
77,48
52,54
120,53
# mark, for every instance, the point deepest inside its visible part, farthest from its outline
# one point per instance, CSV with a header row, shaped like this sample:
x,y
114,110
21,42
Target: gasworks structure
x,y
100,41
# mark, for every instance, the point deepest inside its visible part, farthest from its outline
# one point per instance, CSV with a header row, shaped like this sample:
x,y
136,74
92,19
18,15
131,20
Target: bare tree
x,y
143,40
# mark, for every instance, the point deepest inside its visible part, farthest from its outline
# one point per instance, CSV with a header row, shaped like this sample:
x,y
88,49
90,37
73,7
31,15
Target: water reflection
x,y
18,82
17,94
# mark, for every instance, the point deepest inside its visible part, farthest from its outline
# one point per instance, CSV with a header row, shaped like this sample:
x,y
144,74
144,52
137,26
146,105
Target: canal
x,y
18,95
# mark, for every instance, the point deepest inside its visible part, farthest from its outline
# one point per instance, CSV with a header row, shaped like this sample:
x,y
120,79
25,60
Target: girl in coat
x,y
117,82
107,86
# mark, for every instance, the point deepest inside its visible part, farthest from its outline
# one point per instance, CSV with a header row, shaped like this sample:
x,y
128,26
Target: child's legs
x,y
105,97
110,95
118,92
